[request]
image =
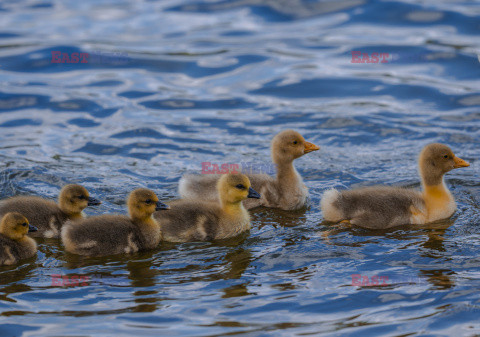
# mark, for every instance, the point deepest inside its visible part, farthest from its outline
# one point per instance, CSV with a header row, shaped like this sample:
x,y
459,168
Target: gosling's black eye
x,y
24,224
240,187
148,201
445,156
82,197
295,142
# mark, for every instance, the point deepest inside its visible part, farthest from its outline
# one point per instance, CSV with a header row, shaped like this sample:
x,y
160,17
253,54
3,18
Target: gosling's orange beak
x,y
310,147
459,162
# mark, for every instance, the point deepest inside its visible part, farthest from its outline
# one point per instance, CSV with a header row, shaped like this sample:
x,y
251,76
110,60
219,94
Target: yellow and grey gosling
x,y
286,191
48,216
15,245
117,234
381,207
196,220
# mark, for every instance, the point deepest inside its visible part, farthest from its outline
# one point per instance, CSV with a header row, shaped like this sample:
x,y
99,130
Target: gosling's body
x,y
49,216
12,251
116,234
201,221
286,191
385,207
15,245
45,213
374,207
194,220
109,235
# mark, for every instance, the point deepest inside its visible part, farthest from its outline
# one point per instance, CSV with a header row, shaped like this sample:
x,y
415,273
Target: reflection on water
x,y
214,81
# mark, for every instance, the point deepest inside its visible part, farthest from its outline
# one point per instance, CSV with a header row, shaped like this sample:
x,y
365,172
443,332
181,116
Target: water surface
x,y
176,83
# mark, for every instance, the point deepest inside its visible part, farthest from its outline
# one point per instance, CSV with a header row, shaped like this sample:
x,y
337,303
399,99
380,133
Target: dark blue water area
x,y
167,85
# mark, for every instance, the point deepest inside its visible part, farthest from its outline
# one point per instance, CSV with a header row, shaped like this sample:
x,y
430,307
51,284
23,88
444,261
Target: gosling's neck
x,y
233,209
145,220
437,195
24,240
76,216
439,201
28,242
69,212
434,186
287,175
149,228
235,219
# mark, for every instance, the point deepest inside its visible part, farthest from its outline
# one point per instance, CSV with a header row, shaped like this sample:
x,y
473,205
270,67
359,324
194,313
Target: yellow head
x,y
289,145
142,203
74,198
15,226
233,188
435,160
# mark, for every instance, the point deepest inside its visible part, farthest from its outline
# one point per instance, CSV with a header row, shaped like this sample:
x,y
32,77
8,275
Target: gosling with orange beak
x,y
286,191
381,207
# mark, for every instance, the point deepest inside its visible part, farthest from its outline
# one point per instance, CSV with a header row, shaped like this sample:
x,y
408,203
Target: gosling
x,y
117,234
15,245
195,220
285,191
381,207
48,216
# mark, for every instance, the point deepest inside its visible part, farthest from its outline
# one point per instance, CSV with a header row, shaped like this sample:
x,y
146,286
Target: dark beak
x,y
253,194
160,206
93,202
32,228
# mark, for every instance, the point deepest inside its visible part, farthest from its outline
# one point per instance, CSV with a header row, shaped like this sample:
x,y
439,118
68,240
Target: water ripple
x,y
188,81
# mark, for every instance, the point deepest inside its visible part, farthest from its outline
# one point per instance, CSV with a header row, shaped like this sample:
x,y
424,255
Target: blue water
x,y
171,84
